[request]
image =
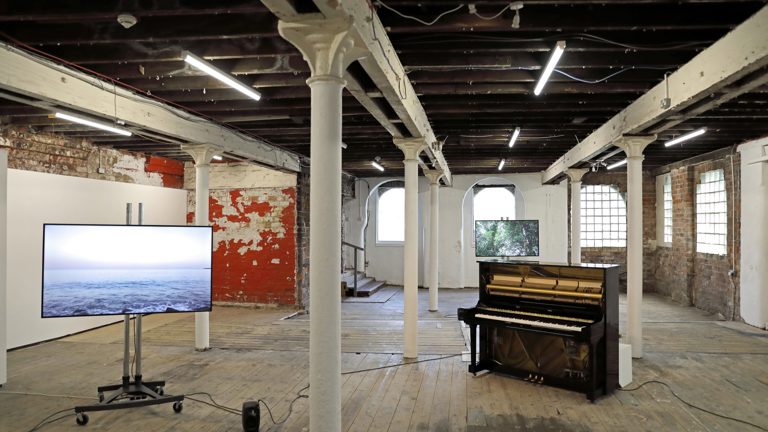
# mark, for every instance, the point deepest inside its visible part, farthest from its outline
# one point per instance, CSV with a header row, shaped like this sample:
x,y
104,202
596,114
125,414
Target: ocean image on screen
x,y
110,270
506,238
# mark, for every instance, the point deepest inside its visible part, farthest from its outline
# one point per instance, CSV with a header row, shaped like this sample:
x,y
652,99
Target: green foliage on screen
x,y
506,238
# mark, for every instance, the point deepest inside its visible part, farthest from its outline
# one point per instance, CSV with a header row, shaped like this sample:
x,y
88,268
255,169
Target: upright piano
x,y
548,323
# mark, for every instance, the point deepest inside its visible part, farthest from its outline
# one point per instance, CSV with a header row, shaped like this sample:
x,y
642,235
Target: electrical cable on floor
x,y
692,405
46,421
400,364
46,395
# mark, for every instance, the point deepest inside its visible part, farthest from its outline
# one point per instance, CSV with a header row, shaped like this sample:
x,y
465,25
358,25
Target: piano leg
x,y
472,349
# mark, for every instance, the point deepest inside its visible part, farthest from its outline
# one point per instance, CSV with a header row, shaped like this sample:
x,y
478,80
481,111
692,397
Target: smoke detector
x,y
127,20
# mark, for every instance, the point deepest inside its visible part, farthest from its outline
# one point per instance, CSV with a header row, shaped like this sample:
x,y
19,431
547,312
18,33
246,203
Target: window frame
x,y
706,201
661,210
587,237
383,190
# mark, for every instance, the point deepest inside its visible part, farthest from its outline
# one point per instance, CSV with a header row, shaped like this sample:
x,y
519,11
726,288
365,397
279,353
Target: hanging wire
x,y
426,23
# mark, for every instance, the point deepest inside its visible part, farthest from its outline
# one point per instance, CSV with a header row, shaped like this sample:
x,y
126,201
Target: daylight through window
x,y
711,213
604,217
667,209
390,220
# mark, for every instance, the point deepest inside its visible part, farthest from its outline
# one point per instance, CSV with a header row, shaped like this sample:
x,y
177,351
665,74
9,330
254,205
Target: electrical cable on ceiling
x,y
447,38
426,23
473,11
607,77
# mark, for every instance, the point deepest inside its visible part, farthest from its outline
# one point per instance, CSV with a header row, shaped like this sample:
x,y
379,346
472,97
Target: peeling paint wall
x,y
56,154
253,214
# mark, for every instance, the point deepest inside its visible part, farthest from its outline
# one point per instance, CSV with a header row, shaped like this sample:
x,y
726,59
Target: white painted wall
x,y
3,263
457,266
754,233
37,198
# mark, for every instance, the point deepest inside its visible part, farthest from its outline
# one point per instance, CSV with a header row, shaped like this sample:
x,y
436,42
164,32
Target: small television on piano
x,y
506,238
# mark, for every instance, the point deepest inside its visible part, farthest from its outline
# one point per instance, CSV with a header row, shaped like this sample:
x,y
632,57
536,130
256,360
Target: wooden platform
x,y
721,366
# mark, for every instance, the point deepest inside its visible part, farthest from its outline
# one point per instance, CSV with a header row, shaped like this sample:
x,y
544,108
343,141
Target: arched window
x,y
390,215
603,217
493,203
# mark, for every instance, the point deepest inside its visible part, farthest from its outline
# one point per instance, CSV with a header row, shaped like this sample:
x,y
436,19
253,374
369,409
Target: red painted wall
x,y
254,259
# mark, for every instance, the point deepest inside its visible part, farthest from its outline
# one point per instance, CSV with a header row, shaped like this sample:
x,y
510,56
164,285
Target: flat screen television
x,y
506,238
91,270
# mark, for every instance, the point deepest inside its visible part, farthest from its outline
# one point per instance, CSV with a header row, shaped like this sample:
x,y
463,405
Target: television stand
x,y
130,394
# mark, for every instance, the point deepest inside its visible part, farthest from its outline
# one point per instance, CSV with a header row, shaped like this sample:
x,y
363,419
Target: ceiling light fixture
x,y
617,164
686,137
92,123
376,164
217,157
557,52
501,164
515,134
220,75
343,145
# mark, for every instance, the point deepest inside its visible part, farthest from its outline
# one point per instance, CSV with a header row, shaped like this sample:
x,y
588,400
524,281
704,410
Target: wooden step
x,y
366,286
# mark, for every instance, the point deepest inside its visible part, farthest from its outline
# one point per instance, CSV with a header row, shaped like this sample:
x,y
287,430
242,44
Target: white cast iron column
x,y
633,146
434,208
575,175
3,263
329,48
202,155
411,148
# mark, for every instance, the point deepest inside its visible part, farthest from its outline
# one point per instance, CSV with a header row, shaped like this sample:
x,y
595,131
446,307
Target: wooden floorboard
x,y
720,366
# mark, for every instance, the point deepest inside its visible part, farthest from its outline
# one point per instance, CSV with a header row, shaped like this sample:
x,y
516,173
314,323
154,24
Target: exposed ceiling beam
x,y
737,54
44,80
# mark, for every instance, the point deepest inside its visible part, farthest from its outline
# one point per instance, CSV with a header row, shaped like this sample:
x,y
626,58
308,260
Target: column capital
x,y
201,153
411,147
328,45
575,174
633,145
433,176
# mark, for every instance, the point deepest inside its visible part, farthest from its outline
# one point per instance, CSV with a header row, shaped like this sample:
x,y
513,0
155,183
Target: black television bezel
x,y
42,272
538,237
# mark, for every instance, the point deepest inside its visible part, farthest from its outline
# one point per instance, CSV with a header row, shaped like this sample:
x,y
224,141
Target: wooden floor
x,y
721,366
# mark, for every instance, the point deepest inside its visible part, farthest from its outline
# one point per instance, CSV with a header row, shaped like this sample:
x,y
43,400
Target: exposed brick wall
x,y
253,214
682,273
302,237
57,154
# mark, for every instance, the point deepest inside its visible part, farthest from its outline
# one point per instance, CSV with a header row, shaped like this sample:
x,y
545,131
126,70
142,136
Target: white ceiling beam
x,y
737,54
41,79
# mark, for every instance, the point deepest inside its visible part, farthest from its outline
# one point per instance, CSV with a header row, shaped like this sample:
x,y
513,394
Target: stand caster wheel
x,y
177,407
82,419
159,390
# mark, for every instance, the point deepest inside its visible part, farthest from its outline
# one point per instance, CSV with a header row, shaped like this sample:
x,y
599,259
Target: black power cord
x,y
692,405
48,420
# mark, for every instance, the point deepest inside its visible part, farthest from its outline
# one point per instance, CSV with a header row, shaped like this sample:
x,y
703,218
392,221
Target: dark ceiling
x,y
475,77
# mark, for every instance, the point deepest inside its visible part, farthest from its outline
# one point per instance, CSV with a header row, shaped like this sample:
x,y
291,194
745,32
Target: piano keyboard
x,y
542,324
534,314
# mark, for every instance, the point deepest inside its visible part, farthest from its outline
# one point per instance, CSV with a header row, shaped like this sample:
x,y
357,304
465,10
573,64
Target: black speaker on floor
x,y
251,416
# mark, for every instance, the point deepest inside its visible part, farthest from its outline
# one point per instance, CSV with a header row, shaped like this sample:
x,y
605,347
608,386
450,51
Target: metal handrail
x,y
356,248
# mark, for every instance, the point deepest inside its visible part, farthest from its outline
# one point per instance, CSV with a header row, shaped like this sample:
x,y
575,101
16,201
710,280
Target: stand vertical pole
x,y
127,317
137,333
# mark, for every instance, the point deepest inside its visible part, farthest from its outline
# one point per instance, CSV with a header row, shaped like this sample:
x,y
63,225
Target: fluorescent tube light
x,y
217,157
220,75
553,59
514,136
501,164
343,145
617,164
95,124
377,165
686,137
